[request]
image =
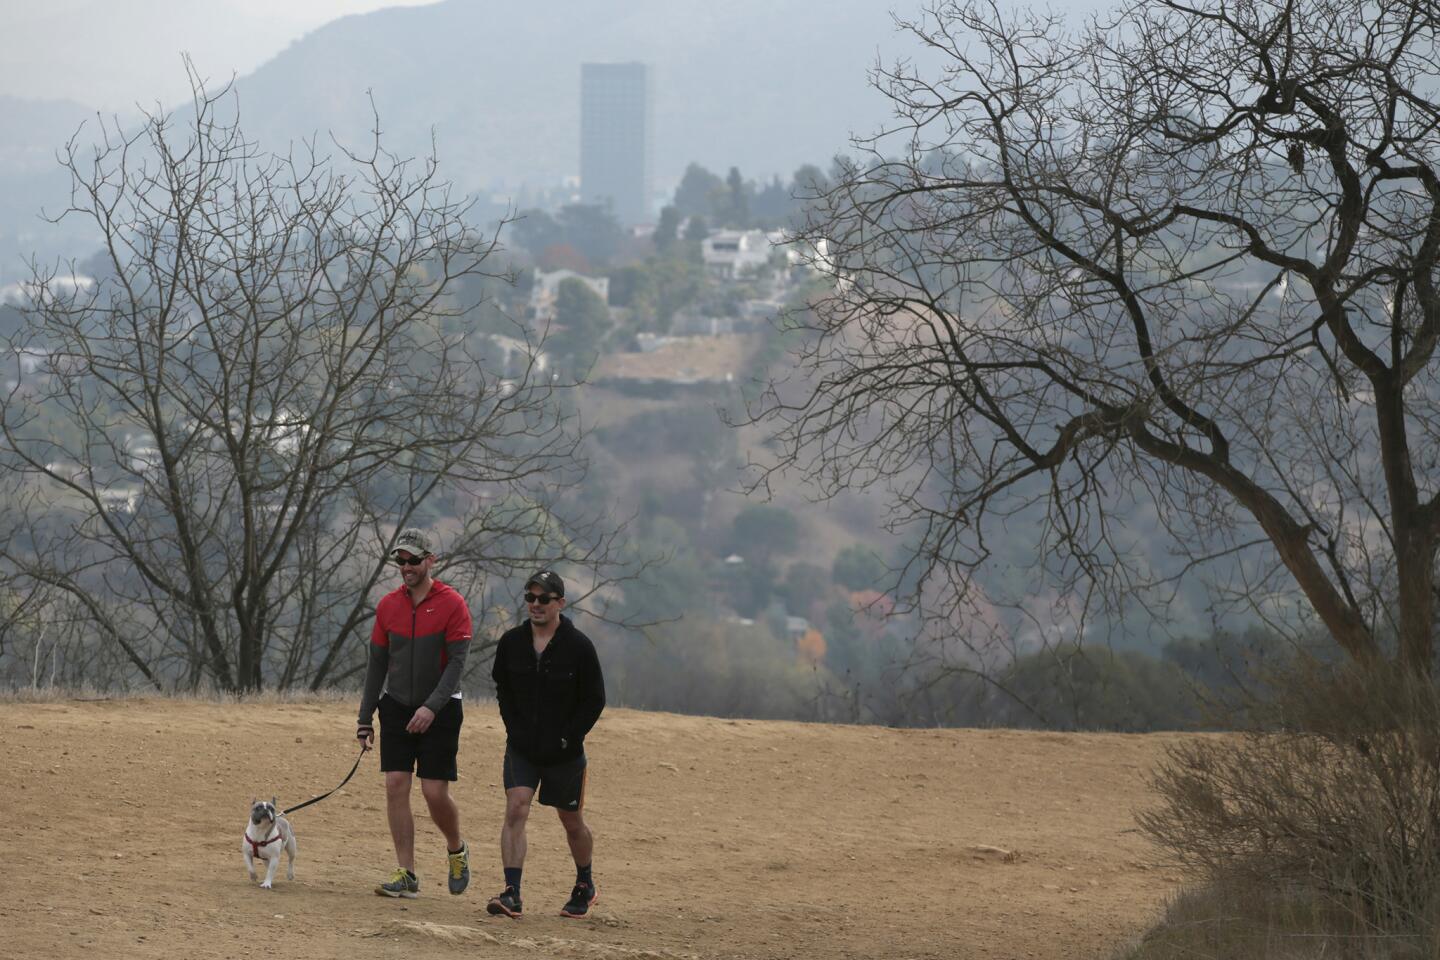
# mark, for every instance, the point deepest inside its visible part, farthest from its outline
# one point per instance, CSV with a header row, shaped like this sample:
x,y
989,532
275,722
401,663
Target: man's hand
x,y
421,721
365,734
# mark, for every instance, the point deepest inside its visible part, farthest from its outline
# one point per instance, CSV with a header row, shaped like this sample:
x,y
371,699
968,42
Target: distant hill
x,y
34,130
31,179
762,85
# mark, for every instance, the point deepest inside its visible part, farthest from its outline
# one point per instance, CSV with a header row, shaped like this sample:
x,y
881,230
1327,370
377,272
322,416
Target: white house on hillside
x,y
729,253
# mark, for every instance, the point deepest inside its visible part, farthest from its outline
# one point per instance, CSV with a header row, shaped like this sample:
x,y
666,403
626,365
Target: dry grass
x,y
1246,922
90,694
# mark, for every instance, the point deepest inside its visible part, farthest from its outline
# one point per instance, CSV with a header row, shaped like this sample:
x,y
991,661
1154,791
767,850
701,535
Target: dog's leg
x,y
271,865
249,859
291,849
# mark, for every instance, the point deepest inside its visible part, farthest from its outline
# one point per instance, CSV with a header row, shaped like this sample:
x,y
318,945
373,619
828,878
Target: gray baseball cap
x,y
414,541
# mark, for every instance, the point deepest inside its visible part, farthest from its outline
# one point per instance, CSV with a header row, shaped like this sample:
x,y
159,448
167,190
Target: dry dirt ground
x,y
714,839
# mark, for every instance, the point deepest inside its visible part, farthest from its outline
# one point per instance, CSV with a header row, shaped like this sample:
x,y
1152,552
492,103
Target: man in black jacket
x,y
551,692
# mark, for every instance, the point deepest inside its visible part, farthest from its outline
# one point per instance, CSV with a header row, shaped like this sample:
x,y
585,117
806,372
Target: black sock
x,y
512,878
582,875
461,850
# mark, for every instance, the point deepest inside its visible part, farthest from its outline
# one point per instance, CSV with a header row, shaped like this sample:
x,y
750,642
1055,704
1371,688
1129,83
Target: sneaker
x,y
460,870
580,900
507,904
402,883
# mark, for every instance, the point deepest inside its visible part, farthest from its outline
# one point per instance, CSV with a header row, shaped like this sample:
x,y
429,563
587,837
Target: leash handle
x,y
300,806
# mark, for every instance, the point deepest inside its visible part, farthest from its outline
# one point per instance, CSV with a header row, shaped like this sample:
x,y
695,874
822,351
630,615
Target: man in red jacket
x,y
417,654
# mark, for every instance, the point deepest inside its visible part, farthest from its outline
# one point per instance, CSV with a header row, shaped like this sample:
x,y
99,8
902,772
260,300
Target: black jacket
x,y
549,702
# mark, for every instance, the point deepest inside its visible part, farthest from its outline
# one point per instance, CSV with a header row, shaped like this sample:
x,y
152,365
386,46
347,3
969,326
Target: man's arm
x,y
500,675
589,694
457,647
375,669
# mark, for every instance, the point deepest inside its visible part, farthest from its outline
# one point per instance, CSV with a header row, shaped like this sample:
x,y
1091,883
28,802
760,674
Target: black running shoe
x,y
581,898
507,904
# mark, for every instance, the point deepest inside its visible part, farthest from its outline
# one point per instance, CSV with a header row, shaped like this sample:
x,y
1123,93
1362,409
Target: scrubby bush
x,y
1336,796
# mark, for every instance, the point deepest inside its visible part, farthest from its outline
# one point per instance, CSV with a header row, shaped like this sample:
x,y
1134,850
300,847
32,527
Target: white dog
x,y
265,835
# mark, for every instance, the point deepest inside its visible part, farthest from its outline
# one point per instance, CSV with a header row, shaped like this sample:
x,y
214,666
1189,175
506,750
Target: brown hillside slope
x,y
715,839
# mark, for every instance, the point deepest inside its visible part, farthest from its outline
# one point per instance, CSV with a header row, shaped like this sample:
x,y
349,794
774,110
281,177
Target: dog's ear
x,y
275,802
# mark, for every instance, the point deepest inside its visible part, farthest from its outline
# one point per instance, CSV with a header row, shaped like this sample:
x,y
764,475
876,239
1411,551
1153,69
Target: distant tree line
x,y
588,238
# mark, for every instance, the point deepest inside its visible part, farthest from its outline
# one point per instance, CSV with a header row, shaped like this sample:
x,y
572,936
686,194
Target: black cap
x,y
549,581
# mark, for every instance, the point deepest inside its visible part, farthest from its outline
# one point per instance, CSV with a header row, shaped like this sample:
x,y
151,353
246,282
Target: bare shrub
x,y
1337,793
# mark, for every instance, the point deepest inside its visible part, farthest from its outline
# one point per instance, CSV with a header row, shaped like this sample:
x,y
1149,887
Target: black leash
x,y
298,806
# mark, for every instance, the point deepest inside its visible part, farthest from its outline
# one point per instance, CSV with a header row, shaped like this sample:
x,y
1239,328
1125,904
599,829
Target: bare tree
x,y
213,444
1176,270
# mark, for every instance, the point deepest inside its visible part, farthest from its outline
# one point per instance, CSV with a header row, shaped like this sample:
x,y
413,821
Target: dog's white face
x,y
262,811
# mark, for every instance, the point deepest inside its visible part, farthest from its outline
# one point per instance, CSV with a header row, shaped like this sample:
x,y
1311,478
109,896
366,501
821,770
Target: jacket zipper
x,y
539,680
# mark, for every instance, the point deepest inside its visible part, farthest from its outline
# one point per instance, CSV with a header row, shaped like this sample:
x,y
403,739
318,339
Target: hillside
x,y
715,839
762,85
32,183
495,88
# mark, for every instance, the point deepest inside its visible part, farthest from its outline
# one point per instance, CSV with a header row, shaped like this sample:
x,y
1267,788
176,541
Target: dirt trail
x,y
714,839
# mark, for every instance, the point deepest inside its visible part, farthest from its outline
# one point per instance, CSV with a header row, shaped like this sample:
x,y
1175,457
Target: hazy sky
x,y
110,54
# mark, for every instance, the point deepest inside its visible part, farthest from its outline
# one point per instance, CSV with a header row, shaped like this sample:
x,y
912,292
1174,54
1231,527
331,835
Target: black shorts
x,y
561,785
431,754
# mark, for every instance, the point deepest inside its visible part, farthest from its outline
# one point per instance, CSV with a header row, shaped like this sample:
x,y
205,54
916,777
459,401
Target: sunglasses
x,y
412,562
540,598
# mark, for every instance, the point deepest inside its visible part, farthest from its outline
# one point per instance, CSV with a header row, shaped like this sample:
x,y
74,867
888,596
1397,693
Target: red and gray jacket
x,y
417,651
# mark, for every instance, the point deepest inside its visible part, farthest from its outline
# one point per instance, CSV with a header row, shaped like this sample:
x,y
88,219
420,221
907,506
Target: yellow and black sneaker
x,y
460,869
402,883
